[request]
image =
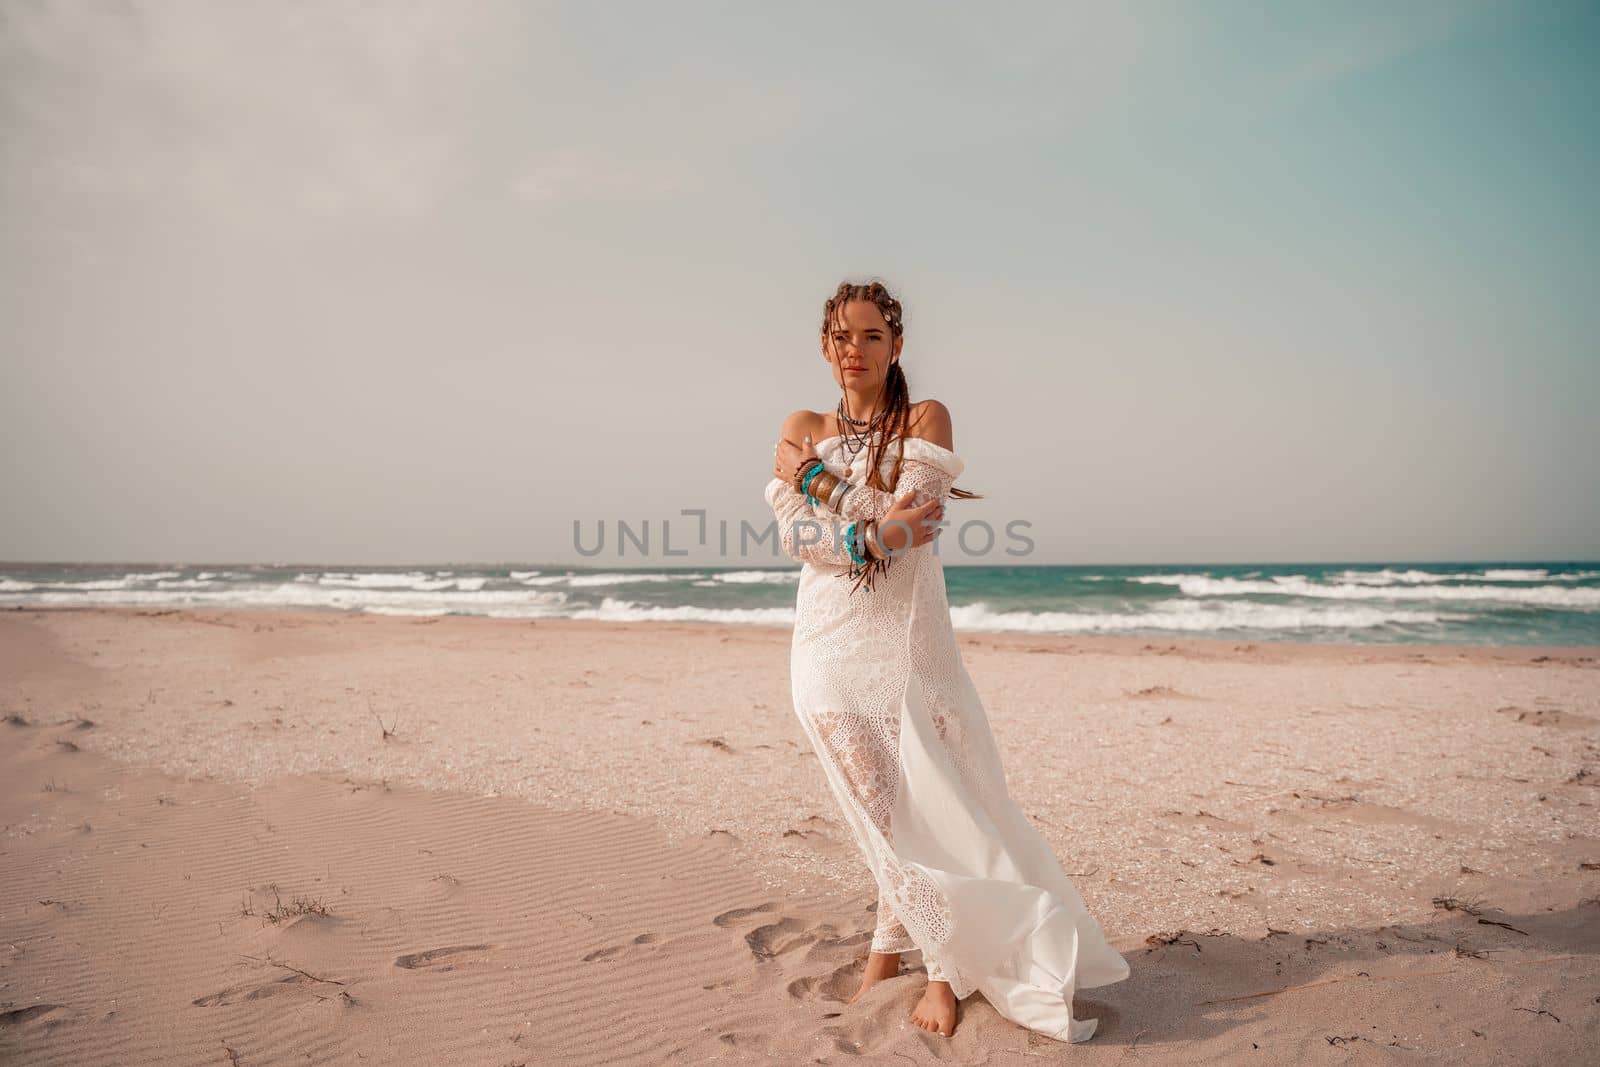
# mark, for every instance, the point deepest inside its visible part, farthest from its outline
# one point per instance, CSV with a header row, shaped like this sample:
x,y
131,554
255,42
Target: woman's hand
x,y
790,459
921,518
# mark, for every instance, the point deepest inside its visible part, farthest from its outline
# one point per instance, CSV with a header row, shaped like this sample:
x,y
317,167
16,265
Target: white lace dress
x,y
881,691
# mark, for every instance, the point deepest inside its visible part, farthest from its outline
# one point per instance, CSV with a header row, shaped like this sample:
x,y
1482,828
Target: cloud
x,y
271,119
287,121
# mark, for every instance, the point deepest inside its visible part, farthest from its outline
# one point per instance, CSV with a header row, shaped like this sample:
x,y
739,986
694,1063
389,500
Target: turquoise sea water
x,y
1516,603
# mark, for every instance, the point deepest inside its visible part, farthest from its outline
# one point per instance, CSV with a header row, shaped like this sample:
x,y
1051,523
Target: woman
x,y
881,691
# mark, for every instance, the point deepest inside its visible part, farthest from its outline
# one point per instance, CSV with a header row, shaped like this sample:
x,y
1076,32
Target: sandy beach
x,y
260,837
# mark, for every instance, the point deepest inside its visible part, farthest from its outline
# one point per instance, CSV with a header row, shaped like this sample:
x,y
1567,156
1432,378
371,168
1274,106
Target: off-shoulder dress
x,y
882,693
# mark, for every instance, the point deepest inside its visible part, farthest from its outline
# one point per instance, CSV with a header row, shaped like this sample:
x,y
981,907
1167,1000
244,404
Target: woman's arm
x,y
818,543
822,538
926,480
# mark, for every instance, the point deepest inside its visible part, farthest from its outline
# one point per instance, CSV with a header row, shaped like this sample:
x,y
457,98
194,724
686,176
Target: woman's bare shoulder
x,y
930,420
800,423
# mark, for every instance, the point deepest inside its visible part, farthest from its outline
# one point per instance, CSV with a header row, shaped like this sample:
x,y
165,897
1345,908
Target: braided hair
x,y
897,393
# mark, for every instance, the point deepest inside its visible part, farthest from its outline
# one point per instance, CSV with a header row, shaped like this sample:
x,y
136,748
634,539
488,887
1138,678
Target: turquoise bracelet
x,y
806,486
850,543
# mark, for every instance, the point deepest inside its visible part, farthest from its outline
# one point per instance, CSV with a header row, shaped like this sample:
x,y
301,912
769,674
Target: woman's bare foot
x,y
936,1010
880,965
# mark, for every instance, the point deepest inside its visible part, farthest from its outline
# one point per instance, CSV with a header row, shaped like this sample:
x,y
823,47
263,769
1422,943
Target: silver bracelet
x,y
836,498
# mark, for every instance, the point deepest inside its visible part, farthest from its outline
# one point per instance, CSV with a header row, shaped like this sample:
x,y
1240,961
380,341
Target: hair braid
x,y
897,391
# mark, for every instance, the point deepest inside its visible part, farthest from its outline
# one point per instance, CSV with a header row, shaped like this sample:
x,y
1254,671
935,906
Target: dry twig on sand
x,y
296,970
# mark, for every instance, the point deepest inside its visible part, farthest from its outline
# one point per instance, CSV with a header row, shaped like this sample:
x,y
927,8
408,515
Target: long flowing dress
x,y
882,693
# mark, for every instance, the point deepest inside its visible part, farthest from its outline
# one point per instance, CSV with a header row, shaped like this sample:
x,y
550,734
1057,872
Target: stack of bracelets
x,y
820,486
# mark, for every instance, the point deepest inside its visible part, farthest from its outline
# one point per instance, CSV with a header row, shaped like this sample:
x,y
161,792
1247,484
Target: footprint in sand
x,y
788,934
277,987
18,1016
866,1036
838,984
728,918
441,959
612,950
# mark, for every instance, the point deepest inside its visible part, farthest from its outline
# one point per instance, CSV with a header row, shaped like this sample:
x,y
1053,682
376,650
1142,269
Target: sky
x,y
435,282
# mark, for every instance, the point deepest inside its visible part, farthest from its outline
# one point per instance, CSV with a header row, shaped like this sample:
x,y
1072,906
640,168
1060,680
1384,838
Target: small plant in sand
x,y
298,906
388,731
1474,906
281,911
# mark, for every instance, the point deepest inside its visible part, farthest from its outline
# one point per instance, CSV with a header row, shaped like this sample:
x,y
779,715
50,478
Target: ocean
x,y
1519,603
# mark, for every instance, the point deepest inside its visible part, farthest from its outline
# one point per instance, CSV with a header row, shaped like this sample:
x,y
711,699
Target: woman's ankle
x,y
882,964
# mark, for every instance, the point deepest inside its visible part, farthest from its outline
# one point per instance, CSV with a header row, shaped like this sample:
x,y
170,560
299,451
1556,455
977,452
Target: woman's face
x,y
859,347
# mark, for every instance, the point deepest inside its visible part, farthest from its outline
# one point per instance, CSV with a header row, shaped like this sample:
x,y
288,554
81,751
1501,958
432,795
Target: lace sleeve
x,y
926,469
928,480
808,535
